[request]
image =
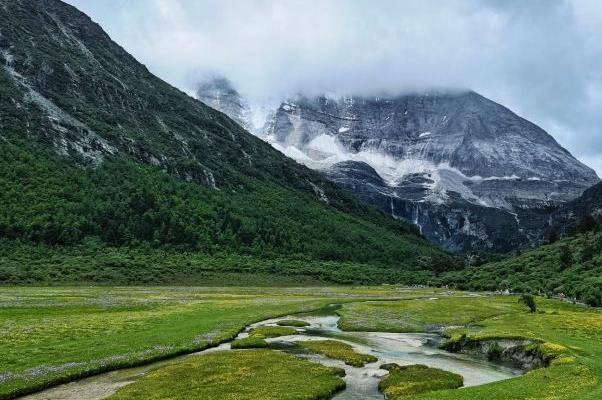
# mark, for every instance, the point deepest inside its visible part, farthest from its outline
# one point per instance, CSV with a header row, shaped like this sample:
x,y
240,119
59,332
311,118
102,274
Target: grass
x,y
337,350
272,331
420,315
251,374
293,322
403,381
53,335
570,333
251,342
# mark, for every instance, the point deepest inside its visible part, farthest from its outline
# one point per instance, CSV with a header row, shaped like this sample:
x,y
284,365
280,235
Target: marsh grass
x,y
568,336
337,350
403,381
249,374
272,331
54,335
293,322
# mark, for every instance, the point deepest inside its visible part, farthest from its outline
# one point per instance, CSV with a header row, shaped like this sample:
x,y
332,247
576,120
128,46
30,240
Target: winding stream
x,y
362,383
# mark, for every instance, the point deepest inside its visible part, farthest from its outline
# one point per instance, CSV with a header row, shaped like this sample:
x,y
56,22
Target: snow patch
x,y
425,134
344,129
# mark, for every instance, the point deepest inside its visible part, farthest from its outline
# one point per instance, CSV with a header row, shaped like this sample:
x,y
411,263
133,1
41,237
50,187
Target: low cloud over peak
x,y
543,59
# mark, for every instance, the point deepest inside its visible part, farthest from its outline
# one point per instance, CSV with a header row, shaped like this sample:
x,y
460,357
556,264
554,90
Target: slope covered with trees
x,y
570,267
96,149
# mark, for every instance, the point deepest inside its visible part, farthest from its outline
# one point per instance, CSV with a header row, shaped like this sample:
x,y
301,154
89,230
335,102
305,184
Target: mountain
x,y
218,93
98,155
467,171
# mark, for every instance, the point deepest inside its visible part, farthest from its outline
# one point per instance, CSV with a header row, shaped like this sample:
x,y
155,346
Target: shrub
x,y
529,301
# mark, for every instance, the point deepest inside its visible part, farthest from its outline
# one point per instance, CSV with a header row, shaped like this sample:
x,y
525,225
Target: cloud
x,y
541,58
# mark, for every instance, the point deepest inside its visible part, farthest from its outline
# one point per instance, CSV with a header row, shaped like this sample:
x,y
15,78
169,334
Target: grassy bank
x,y
256,374
571,334
338,351
403,381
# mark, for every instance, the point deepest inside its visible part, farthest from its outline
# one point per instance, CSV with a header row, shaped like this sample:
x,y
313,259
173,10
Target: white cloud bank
x,y
541,58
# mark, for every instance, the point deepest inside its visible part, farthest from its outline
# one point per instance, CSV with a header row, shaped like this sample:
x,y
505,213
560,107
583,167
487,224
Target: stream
x,y
362,382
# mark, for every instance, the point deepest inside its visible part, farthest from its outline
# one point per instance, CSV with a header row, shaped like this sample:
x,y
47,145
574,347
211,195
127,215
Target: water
x,y
362,383
399,348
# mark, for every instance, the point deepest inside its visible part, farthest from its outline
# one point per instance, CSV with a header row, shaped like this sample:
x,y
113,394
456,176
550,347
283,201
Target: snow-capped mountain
x,y
467,171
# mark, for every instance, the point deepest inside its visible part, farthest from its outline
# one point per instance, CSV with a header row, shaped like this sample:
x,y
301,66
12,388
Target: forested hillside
x,y
96,149
570,267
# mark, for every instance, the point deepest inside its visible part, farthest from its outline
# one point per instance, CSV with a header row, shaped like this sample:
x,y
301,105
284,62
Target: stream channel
x,y
362,382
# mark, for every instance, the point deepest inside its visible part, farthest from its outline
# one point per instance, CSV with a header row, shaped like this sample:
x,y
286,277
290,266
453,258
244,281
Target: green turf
x,y
337,350
421,315
403,381
52,335
250,374
251,342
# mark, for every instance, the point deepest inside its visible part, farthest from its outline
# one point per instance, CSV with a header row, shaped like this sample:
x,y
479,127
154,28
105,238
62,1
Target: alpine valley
x,y
156,245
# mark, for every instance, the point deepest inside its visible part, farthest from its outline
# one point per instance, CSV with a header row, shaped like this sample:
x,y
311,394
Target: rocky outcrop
x,y
518,353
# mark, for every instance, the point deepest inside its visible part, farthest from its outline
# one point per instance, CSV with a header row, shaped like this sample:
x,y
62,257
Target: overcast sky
x,y
540,58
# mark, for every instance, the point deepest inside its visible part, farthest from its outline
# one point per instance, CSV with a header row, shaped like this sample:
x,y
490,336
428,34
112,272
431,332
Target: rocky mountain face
x,y
467,171
574,212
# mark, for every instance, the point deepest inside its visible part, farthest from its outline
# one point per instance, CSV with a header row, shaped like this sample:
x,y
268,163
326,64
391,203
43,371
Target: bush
x,y
529,301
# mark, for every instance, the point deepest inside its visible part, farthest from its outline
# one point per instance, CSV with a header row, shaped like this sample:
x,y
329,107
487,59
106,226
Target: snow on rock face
x,y
465,131
466,162
466,170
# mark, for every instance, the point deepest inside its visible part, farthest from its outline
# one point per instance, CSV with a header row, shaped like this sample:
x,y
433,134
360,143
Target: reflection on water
x,y
362,383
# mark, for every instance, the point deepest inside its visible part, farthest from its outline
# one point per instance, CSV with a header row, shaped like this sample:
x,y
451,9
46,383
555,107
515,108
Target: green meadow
x,y
55,335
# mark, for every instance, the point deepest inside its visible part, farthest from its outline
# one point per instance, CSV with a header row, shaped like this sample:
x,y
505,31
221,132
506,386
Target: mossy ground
x,y
250,374
337,350
403,381
272,331
420,315
292,322
52,335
